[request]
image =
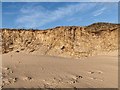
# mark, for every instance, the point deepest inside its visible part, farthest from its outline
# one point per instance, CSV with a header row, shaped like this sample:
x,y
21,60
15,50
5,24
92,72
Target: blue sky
x,y
43,15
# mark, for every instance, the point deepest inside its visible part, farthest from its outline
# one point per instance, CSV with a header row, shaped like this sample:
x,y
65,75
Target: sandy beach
x,y
34,71
59,44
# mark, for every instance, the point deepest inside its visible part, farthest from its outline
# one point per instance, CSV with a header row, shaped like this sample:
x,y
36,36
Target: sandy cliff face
x,y
65,41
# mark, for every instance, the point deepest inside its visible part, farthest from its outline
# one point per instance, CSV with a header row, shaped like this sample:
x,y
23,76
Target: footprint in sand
x,y
27,78
100,72
97,72
13,80
52,82
94,78
93,73
19,62
7,81
76,78
46,86
6,68
6,72
58,80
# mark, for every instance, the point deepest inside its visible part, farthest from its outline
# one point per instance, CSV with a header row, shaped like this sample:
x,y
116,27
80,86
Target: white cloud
x,y
35,16
99,12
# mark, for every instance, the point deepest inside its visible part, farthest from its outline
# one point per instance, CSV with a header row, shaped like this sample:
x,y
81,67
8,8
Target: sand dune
x,y
27,71
61,57
63,41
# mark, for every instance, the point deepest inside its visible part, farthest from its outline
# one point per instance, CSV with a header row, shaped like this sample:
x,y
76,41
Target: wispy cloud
x,y
35,16
99,12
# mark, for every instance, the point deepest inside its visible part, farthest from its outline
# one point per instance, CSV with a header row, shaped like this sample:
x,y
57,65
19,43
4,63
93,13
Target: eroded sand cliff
x,y
65,41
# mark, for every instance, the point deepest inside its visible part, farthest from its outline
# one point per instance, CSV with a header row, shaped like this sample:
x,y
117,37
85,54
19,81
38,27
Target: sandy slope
x,y
26,70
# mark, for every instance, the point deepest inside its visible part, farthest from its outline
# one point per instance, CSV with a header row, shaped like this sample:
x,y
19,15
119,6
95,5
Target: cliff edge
x,y
64,41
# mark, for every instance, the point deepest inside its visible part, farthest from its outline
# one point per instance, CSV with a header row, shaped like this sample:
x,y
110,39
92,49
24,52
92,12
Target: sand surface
x,y
29,70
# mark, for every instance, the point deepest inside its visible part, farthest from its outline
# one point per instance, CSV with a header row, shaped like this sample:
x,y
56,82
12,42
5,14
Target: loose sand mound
x,y
65,41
